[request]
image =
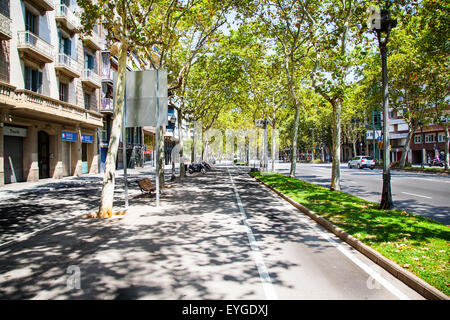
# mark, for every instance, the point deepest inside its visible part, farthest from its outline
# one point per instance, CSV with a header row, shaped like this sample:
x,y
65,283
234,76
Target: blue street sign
x,y
68,136
87,138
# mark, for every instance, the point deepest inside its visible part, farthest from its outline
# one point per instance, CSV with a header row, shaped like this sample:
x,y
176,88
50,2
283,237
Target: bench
x,y
146,185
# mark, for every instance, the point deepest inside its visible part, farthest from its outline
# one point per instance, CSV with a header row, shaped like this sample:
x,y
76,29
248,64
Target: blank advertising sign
x,y
144,89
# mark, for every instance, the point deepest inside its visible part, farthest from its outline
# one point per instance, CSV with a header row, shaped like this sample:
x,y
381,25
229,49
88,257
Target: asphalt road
x,y
216,236
424,194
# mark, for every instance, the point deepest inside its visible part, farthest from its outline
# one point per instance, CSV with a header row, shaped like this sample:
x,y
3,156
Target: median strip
x,y
411,247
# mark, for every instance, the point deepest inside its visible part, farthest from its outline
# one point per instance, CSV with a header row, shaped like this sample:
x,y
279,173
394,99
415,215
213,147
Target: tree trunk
x,y
193,145
354,148
336,132
106,201
273,143
294,142
405,153
181,143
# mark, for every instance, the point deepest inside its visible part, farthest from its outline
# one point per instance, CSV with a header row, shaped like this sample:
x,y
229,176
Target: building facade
x,y
49,92
432,139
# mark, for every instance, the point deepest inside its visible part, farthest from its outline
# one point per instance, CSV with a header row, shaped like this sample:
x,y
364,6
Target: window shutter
x,y
39,88
28,78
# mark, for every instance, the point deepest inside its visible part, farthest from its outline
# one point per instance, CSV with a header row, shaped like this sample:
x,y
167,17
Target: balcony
x,y
33,48
90,79
107,105
5,28
67,66
45,108
66,19
7,94
93,41
42,5
107,75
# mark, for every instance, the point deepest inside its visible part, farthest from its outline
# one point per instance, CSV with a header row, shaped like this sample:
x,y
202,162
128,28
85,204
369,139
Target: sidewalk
x,y
151,253
27,207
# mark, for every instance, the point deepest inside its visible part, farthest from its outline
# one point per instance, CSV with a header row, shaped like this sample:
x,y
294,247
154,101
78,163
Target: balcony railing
x,y
7,93
67,18
5,28
107,74
67,65
35,47
90,78
107,105
35,102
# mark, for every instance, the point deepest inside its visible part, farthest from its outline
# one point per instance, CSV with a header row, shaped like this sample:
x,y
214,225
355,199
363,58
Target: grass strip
x,y
416,243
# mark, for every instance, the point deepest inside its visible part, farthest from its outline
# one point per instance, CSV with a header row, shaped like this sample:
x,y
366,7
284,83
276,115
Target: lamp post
x,y
381,22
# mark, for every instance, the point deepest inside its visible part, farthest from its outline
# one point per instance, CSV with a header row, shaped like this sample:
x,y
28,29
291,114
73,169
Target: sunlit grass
x,y
418,244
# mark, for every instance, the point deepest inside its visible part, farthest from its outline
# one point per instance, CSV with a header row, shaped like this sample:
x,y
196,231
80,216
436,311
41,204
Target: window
x,y
104,131
417,139
89,62
430,138
441,137
33,80
87,101
63,92
65,45
31,21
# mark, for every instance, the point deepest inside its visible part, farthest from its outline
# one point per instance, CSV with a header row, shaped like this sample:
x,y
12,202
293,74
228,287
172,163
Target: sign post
x,y
146,104
124,149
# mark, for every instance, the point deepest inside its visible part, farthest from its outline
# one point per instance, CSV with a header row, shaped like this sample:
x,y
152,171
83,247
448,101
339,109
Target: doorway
x,y
13,168
84,158
44,154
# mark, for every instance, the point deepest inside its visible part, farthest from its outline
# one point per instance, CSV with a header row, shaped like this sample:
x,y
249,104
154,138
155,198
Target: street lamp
x,y
381,22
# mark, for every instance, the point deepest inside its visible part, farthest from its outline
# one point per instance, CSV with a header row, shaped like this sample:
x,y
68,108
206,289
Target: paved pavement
x,y
424,194
216,236
28,207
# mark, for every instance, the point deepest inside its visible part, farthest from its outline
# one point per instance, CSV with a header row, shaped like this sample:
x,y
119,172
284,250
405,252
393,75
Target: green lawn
x,y
416,243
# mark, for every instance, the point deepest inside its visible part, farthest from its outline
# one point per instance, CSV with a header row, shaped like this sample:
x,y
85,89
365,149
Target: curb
x,y
407,277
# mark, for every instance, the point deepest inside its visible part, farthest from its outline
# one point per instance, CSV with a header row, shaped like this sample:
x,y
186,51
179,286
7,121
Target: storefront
x,y
13,153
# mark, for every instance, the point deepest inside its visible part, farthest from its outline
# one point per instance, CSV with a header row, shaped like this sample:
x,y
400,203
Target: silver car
x,y
361,162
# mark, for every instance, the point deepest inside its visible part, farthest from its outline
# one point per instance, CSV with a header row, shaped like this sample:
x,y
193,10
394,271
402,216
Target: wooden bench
x,y
146,185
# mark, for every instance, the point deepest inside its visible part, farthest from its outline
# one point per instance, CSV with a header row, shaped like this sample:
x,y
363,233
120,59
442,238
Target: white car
x,y
361,162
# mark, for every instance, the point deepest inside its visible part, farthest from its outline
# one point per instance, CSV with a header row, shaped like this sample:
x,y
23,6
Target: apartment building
x,y
50,92
432,139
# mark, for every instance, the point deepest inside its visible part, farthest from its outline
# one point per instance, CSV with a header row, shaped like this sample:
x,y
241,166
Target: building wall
x,y
44,112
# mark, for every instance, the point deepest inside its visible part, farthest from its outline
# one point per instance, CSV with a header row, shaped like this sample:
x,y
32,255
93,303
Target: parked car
x,y
362,162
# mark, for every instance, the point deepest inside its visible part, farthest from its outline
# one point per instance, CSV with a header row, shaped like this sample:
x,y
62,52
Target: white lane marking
x,y
416,195
432,180
371,272
257,256
375,275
